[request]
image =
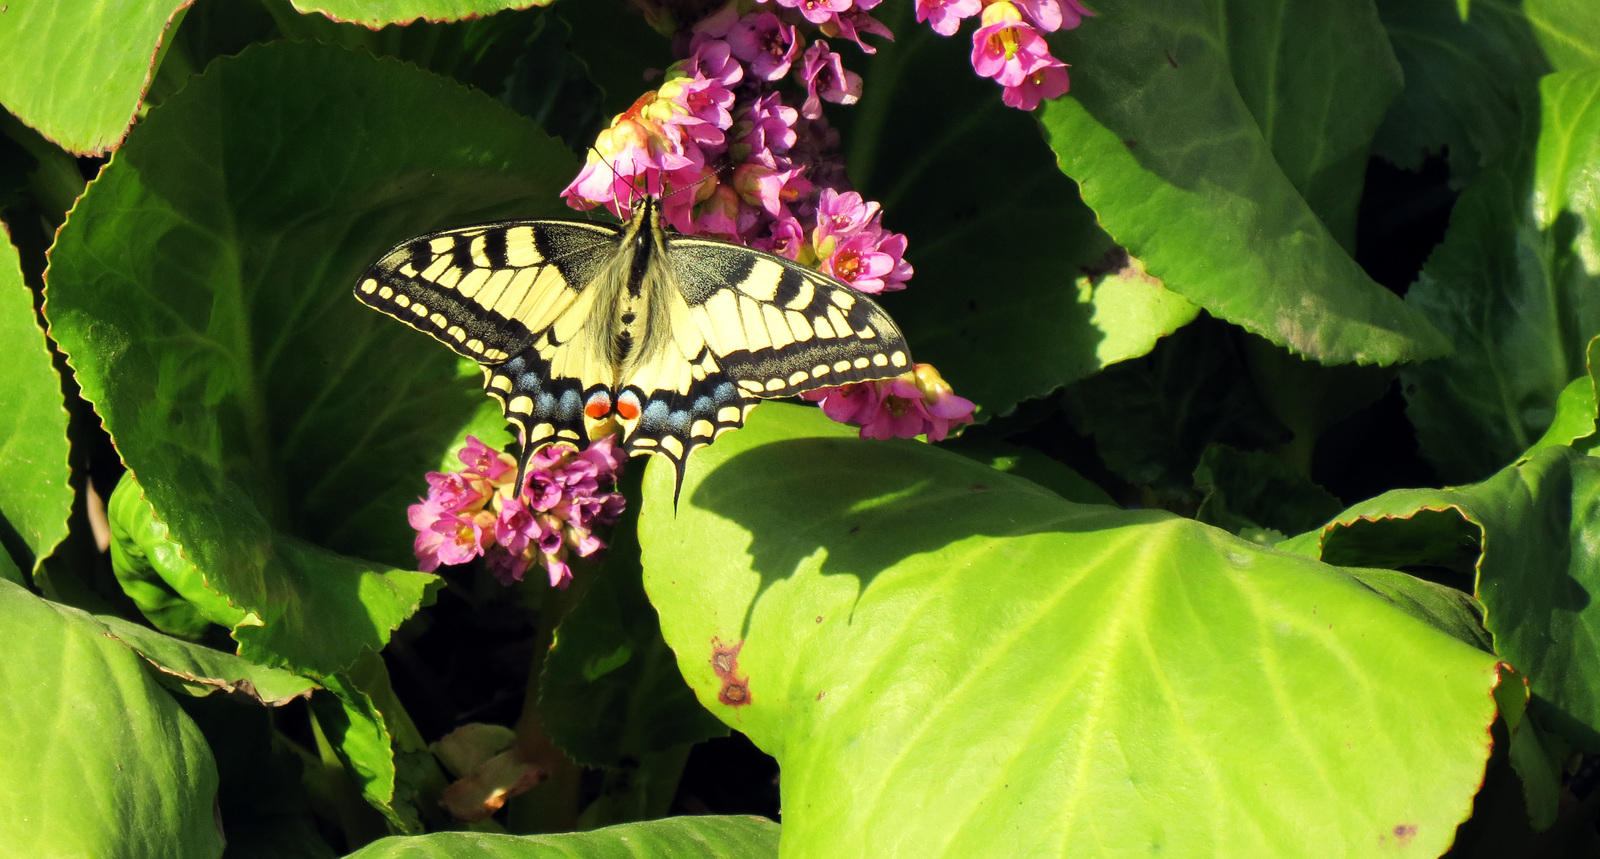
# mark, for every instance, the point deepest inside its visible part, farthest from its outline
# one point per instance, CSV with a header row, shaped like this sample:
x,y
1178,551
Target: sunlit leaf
x,y
943,658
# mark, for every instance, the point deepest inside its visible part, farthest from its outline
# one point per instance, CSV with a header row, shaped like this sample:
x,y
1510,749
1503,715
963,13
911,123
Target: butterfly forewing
x,y
783,329
584,327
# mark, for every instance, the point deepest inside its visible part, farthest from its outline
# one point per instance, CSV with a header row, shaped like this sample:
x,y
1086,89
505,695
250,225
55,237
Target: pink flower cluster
x,y
735,158
1009,44
916,403
473,512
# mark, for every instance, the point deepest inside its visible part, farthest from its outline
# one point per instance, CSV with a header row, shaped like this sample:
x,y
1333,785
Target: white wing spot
x,y
798,376
820,370
841,366
521,405
386,293
369,286
898,359
729,415
880,360
702,429
401,301
861,363
672,446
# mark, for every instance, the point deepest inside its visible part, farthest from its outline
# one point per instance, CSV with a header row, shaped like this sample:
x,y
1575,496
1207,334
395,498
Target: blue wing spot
x,y
726,392
656,414
544,404
571,403
679,421
702,405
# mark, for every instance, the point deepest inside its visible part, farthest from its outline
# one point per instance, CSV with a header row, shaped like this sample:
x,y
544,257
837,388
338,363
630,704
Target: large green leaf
x,y
76,71
377,13
1568,30
944,658
98,759
202,292
1017,291
1515,286
1223,143
1530,533
34,495
1462,78
687,837
201,671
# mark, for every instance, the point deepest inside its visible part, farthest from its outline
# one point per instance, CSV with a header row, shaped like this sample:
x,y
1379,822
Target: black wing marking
x,y
487,290
779,328
493,293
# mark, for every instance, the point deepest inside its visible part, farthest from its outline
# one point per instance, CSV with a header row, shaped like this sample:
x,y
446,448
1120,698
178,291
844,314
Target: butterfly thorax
x,y
626,331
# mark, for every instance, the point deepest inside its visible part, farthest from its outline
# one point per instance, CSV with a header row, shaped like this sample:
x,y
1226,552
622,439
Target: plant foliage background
x,y
1276,535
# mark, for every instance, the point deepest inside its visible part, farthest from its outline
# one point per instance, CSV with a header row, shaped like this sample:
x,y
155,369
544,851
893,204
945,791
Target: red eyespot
x,y
628,406
599,405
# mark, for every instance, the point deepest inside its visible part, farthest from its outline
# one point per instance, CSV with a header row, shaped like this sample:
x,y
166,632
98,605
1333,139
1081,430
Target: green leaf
x,y
943,659
1151,418
168,589
478,51
1530,534
202,291
1514,286
1440,606
1244,488
1017,291
201,671
377,13
1575,410
1030,464
99,760
686,837
79,69
261,799
370,732
1568,31
1229,160
1462,78
610,692
34,495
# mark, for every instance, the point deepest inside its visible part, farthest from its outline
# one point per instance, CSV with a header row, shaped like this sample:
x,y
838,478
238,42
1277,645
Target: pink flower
x,y
817,11
913,404
1044,14
760,185
765,126
825,77
568,493
766,45
855,23
1006,47
842,215
1048,82
783,236
858,262
945,16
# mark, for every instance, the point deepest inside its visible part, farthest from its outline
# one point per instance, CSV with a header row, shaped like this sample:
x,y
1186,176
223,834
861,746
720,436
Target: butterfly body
x,y
584,329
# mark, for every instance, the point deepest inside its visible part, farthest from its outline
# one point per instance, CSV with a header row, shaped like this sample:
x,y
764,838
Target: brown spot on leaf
x,y
735,691
1405,832
1170,61
1130,143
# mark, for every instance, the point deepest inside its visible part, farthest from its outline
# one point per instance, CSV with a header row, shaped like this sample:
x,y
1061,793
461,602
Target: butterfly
x,y
585,328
